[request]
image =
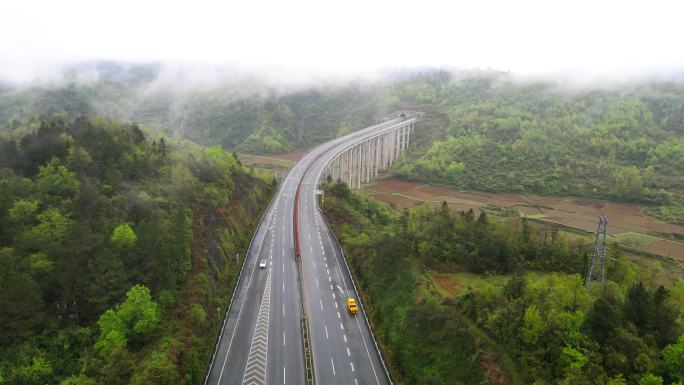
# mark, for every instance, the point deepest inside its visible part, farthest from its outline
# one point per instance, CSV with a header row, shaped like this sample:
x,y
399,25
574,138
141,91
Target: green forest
x,y
521,314
123,206
247,116
117,252
483,130
625,145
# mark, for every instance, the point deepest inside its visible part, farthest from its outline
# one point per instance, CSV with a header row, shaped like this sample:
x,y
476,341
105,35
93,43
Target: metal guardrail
x,y
380,352
310,372
365,317
309,369
304,320
237,282
344,257
308,355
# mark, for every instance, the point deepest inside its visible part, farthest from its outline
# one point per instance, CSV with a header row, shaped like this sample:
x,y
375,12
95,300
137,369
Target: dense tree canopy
x,y
622,145
525,319
96,237
92,209
490,130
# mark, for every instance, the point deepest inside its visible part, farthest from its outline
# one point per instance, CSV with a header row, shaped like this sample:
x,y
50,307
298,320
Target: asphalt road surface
x,y
261,340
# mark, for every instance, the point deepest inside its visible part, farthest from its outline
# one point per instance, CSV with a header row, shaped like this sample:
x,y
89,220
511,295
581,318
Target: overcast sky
x,y
597,36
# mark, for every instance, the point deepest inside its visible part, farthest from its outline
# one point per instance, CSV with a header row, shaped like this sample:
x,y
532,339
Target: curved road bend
x,y
343,348
261,337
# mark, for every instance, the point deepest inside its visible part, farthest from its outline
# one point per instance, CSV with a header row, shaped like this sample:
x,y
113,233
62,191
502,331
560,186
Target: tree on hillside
x,y
21,303
638,307
673,360
628,183
56,179
133,320
123,236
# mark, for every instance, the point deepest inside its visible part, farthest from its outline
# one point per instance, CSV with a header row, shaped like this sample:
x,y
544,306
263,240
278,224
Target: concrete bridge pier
x,y
359,163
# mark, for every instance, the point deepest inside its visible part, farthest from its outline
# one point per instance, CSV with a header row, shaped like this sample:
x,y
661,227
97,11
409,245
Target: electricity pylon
x,y
597,268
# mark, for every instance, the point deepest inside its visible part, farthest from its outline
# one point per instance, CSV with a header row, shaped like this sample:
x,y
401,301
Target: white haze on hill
x,y
299,41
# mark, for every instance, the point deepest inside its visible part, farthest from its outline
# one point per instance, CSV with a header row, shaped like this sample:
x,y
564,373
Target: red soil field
x,y
580,213
669,249
293,156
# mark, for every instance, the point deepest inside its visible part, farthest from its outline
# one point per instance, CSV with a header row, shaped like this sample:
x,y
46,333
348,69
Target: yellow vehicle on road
x,y
351,305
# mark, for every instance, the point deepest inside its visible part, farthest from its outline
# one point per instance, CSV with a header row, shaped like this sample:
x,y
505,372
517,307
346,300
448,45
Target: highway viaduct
x,y
306,278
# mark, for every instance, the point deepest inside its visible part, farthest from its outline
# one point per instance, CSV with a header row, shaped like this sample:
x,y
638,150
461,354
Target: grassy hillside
x,y
458,298
483,130
247,115
119,246
118,250
622,144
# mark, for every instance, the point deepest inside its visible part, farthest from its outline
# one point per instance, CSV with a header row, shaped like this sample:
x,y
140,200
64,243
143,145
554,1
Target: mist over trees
x,y
238,111
491,131
625,145
115,237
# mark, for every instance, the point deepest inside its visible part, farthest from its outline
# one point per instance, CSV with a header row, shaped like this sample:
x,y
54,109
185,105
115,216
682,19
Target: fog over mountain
x,y
306,42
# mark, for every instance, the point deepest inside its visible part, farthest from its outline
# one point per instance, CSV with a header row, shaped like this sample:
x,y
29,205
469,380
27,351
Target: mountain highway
x,y
261,338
